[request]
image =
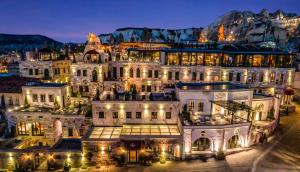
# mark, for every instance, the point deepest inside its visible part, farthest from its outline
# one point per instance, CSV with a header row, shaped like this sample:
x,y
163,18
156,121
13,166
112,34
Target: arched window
x,y
131,73
94,76
138,73
201,144
234,142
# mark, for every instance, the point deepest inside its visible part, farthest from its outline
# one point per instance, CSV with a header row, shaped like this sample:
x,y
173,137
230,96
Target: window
x,y
168,115
101,114
201,77
230,76
191,106
84,73
200,106
35,98
149,73
176,75
128,114
121,72
194,76
138,115
138,73
22,129
36,71
114,72
148,88
43,98
86,88
261,77
37,129
30,72
115,115
78,72
70,132
238,77
143,88
131,72
154,115
169,75
156,74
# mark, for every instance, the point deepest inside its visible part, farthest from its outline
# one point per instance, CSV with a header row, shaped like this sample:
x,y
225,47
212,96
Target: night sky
x,y
72,20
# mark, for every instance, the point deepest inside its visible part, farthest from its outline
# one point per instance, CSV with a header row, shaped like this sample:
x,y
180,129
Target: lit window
x,y
138,115
51,98
115,115
154,115
35,98
43,98
200,106
168,115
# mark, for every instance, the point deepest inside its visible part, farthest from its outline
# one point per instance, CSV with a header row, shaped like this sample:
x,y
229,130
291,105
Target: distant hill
x,y
23,43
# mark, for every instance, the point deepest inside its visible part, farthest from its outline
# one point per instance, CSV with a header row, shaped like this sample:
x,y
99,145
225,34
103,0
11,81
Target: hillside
x,y
23,43
280,28
150,35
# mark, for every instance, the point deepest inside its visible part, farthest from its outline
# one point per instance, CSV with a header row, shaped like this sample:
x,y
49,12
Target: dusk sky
x,y
72,20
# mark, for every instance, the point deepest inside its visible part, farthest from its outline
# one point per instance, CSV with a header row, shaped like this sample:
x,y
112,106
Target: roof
x,y
232,105
210,86
13,84
42,84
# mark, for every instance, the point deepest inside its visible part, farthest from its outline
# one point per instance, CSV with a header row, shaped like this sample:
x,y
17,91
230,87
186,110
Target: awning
x,y
135,131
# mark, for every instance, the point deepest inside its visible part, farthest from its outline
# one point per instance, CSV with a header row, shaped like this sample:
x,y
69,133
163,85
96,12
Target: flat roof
x,y
134,130
42,84
210,86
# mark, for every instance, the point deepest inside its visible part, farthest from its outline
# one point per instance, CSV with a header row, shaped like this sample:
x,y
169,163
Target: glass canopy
x,y
135,130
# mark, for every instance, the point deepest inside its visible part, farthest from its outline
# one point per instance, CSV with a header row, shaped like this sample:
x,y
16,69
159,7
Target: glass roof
x,y
135,130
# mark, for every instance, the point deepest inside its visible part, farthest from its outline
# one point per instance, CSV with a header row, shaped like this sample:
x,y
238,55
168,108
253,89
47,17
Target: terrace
x,y
232,115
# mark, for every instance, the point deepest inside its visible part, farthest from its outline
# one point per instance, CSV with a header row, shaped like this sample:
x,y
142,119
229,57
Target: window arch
x,y
95,76
201,144
138,73
234,142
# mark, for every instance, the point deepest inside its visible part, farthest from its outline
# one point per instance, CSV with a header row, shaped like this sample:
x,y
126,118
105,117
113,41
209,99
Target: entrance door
x,y
132,155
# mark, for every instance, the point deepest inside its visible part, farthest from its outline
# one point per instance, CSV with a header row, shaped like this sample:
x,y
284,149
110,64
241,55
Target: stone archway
x,y
201,144
234,142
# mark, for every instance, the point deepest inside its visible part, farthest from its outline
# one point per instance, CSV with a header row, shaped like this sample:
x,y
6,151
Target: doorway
x,y
133,156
